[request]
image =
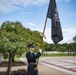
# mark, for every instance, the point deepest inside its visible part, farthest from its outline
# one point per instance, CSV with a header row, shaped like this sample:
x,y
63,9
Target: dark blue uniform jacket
x,y
31,58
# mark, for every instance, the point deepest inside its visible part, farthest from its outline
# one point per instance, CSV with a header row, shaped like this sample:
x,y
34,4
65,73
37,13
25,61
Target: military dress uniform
x,y
32,67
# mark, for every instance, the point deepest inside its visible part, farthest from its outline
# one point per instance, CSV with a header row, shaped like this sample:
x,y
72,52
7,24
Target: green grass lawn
x,y
16,59
23,56
48,55
53,55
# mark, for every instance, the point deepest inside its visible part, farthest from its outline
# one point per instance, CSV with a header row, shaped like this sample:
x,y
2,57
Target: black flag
x,y
56,32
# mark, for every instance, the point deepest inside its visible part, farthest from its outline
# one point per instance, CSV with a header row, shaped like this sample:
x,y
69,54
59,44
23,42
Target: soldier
x,y
32,60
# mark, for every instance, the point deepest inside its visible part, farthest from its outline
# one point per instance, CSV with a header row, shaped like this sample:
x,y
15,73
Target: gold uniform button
x,y
35,68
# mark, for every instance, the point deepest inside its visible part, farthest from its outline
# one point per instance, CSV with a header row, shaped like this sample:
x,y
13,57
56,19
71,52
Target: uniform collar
x,y
31,51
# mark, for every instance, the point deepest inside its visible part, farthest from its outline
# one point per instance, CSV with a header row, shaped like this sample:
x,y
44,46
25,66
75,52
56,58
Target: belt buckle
x,y
35,68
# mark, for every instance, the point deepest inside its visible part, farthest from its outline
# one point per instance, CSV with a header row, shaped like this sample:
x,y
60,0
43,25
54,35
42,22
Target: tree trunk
x,y
62,53
9,64
13,57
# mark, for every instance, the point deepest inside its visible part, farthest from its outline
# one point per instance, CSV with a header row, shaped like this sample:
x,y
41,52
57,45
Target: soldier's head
x,y
31,47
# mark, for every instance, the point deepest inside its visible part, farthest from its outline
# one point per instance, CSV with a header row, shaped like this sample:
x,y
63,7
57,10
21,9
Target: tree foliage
x,y
74,38
15,37
54,48
62,49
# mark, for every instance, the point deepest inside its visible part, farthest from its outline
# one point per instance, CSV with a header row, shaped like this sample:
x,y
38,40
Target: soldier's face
x,y
32,49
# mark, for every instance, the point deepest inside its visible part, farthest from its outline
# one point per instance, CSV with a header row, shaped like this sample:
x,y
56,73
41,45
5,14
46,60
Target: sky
x,y
32,14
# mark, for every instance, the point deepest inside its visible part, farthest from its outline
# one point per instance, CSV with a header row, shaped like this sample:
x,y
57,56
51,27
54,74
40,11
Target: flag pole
x,y
44,29
43,33
42,37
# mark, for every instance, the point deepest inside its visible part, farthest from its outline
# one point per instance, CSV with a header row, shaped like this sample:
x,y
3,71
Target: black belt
x,y
31,63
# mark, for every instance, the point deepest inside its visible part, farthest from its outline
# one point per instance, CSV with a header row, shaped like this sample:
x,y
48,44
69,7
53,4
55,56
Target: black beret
x,y
31,45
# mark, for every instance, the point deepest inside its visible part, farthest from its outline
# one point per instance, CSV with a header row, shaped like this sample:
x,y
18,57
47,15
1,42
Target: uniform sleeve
x,y
38,54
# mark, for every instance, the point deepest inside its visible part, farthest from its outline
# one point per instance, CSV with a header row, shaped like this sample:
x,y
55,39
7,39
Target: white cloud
x,y
68,34
7,6
31,24
14,5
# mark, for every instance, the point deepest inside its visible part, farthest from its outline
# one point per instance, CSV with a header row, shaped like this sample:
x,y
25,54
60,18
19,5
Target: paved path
x,y
52,66
66,65
3,69
44,70
56,65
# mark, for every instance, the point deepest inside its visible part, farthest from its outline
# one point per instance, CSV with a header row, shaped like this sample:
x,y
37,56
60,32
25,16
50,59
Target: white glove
x,y
40,50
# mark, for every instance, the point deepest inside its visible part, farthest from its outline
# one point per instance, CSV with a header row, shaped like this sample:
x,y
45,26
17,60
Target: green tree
x,y
54,48
14,39
46,46
62,49
74,38
10,42
73,47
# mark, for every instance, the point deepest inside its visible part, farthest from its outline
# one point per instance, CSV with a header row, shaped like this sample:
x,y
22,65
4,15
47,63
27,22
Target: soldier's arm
x,y
31,57
38,54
